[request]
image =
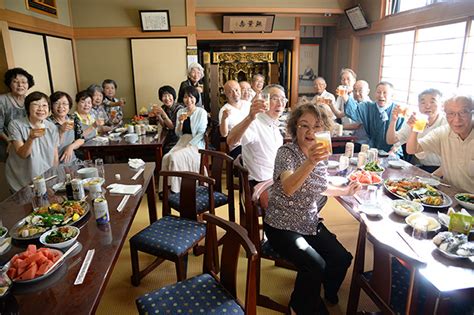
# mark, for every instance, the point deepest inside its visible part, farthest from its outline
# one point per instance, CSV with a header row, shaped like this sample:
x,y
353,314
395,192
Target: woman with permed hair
x,y
292,221
195,75
12,104
34,143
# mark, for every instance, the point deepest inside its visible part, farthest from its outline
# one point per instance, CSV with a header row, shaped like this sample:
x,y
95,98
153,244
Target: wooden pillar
x,y
354,55
191,21
295,64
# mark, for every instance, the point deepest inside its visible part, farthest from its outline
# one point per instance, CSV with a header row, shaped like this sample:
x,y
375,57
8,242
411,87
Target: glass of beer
x,y
404,110
70,123
113,113
421,122
41,130
342,90
324,137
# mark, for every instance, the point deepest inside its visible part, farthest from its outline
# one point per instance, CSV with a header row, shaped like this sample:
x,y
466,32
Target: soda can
x,y
77,189
39,185
362,159
372,155
101,211
349,152
364,148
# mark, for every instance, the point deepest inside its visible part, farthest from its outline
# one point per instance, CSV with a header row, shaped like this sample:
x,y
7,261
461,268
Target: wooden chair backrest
x,y
214,162
251,214
234,238
187,201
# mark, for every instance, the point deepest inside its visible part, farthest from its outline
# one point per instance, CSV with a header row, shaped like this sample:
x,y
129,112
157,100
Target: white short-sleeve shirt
x,y
457,155
260,144
236,115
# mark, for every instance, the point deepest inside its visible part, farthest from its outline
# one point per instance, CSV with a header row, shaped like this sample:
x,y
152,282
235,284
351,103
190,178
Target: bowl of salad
x,y
3,233
405,207
374,167
466,200
60,237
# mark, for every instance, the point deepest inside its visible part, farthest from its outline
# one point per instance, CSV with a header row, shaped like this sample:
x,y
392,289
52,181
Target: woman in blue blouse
x,y
292,222
190,127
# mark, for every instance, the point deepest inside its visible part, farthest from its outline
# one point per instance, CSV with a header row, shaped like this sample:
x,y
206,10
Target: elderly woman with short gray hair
x,y
195,75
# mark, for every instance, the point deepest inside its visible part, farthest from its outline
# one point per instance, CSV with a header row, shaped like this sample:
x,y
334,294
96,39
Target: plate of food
x,y
411,189
45,218
466,200
365,177
405,207
454,246
60,237
396,163
33,264
432,224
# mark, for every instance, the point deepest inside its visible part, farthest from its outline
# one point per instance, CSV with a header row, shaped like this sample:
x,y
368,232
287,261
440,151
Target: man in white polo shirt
x,y
233,112
454,142
259,133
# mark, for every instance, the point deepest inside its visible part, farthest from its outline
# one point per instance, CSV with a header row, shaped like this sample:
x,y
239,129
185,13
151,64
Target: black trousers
x,y
320,259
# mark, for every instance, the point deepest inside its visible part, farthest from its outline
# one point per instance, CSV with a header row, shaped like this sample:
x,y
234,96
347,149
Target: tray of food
x,y
411,189
365,177
44,218
455,246
466,200
33,264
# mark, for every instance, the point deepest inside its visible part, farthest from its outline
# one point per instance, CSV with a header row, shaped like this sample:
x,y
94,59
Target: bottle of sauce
x,y
69,190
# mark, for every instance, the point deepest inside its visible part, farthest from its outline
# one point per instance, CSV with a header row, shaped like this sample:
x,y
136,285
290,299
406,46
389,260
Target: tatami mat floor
x,y
119,296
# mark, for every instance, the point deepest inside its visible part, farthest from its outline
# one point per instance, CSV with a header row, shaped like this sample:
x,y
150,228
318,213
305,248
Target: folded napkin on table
x,y
135,163
124,189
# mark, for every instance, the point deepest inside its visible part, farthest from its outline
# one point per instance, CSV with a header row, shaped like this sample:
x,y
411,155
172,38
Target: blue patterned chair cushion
x,y
202,202
199,295
169,234
400,286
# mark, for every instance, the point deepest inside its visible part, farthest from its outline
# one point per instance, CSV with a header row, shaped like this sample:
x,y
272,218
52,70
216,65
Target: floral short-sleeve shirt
x,y
299,212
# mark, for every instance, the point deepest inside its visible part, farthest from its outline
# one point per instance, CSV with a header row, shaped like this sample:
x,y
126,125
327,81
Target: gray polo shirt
x,y
20,172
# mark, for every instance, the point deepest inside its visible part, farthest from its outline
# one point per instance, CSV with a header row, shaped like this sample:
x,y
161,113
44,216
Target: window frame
x,y
469,25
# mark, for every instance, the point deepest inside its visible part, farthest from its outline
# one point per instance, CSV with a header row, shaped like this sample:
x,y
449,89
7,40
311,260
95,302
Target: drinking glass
x,y
342,90
420,124
324,137
99,165
420,229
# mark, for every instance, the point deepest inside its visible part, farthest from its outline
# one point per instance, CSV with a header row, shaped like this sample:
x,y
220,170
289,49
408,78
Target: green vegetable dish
x,y
466,198
60,235
3,231
373,167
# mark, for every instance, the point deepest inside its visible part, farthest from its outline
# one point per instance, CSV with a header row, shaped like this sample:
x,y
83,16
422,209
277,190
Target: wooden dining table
x,y
148,147
57,293
448,277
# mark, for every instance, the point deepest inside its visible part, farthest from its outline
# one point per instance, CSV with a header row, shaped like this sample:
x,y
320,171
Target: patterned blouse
x,y
115,113
298,213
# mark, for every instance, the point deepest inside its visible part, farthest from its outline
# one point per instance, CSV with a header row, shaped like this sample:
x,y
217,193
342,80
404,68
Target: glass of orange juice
x,y
324,137
421,122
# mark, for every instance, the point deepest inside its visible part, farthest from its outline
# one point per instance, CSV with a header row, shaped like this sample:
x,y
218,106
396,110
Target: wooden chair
x,y
171,237
210,293
250,213
212,163
393,284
